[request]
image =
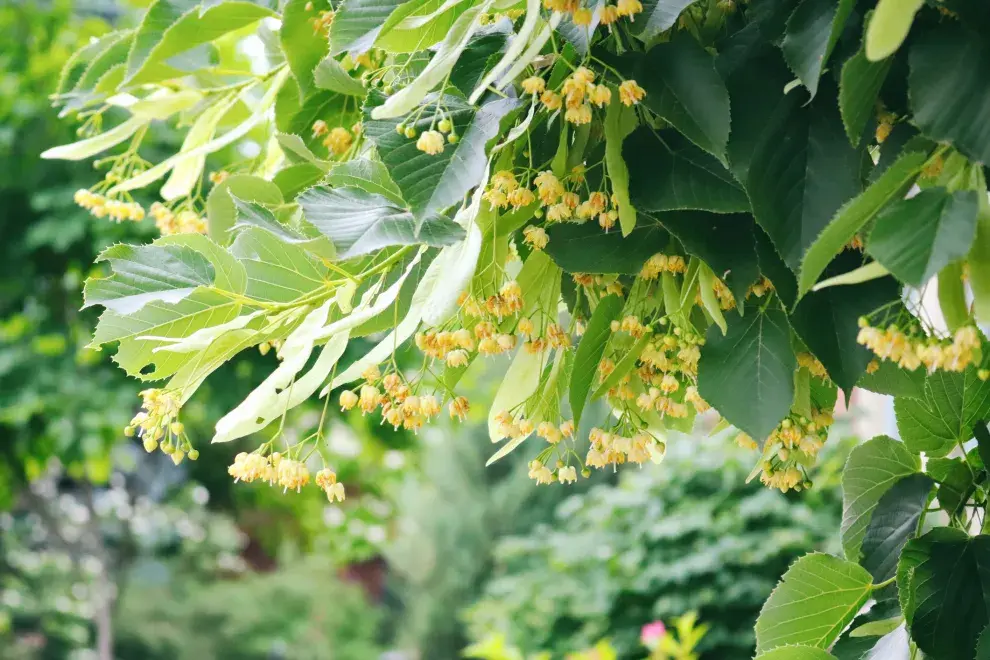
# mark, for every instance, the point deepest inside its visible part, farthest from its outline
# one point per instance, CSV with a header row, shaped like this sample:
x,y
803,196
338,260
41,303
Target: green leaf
x,y
946,576
893,522
142,332
480,55
790,199
586,248
333,108
293,179
623,366
982,435
952,296
795,652
277,271
827,321
953,403
871,470
296,151
356,24
660,16
252,214
303,45
815,600
855,215
620,121
917,237
221,214
753,362
331,75
955,479
772,267
723,241
359,222
147,273
812,32
950,66
979,262
172,27
368,175
889,27
418,24
894,381
428,183
520,383
684,89
590,351
859,87
668,173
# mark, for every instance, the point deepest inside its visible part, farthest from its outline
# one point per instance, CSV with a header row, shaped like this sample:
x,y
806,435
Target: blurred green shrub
x,y
300,612
687,535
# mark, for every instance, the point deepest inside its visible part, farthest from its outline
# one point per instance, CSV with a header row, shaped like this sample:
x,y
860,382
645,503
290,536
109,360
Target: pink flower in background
x,y
652,633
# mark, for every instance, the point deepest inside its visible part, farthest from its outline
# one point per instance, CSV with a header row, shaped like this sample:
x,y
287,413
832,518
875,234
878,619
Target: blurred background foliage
x,y
107,552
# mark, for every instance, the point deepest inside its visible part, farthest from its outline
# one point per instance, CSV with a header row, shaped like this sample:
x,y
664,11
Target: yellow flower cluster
x,y
183,222
614,449
158,426
399,406
579,94
535,237
515,427
813,365
504,191
911,351
100,206
661,263
584,16
290,474
795,442
339,141
508,301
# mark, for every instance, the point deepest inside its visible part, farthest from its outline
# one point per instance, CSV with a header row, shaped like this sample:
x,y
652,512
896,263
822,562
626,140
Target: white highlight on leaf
x,y
416,22
258,114
870,271
512,52
202,338
98,143
282,390
403,101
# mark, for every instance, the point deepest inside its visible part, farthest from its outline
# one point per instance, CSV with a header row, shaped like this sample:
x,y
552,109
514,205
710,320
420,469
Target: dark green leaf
x,y
949,87
148,273
871,470
669,173
894,381
955,482
859,87
359,222
894,521
915,238
723,241
772,267
357,23
303,46
752,362
827,321
474,62
815,600
590,351
856,213
658,16
792,198
683,87
945,578
982,435
953,403
429,184
586,248
812,31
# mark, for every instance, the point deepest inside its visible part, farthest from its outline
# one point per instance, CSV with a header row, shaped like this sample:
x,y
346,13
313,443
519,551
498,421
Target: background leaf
x,y
812,32
893,522
586,248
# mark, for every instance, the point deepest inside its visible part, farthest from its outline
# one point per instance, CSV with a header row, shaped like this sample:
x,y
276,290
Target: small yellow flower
x,y
582,17
339,141
559,212
459,408
457,358
534,85
551,100
630,93
536,237
348,400
567,474
327,480
430,142
629,8
578,115
601,95
320,128
521,197
610,14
